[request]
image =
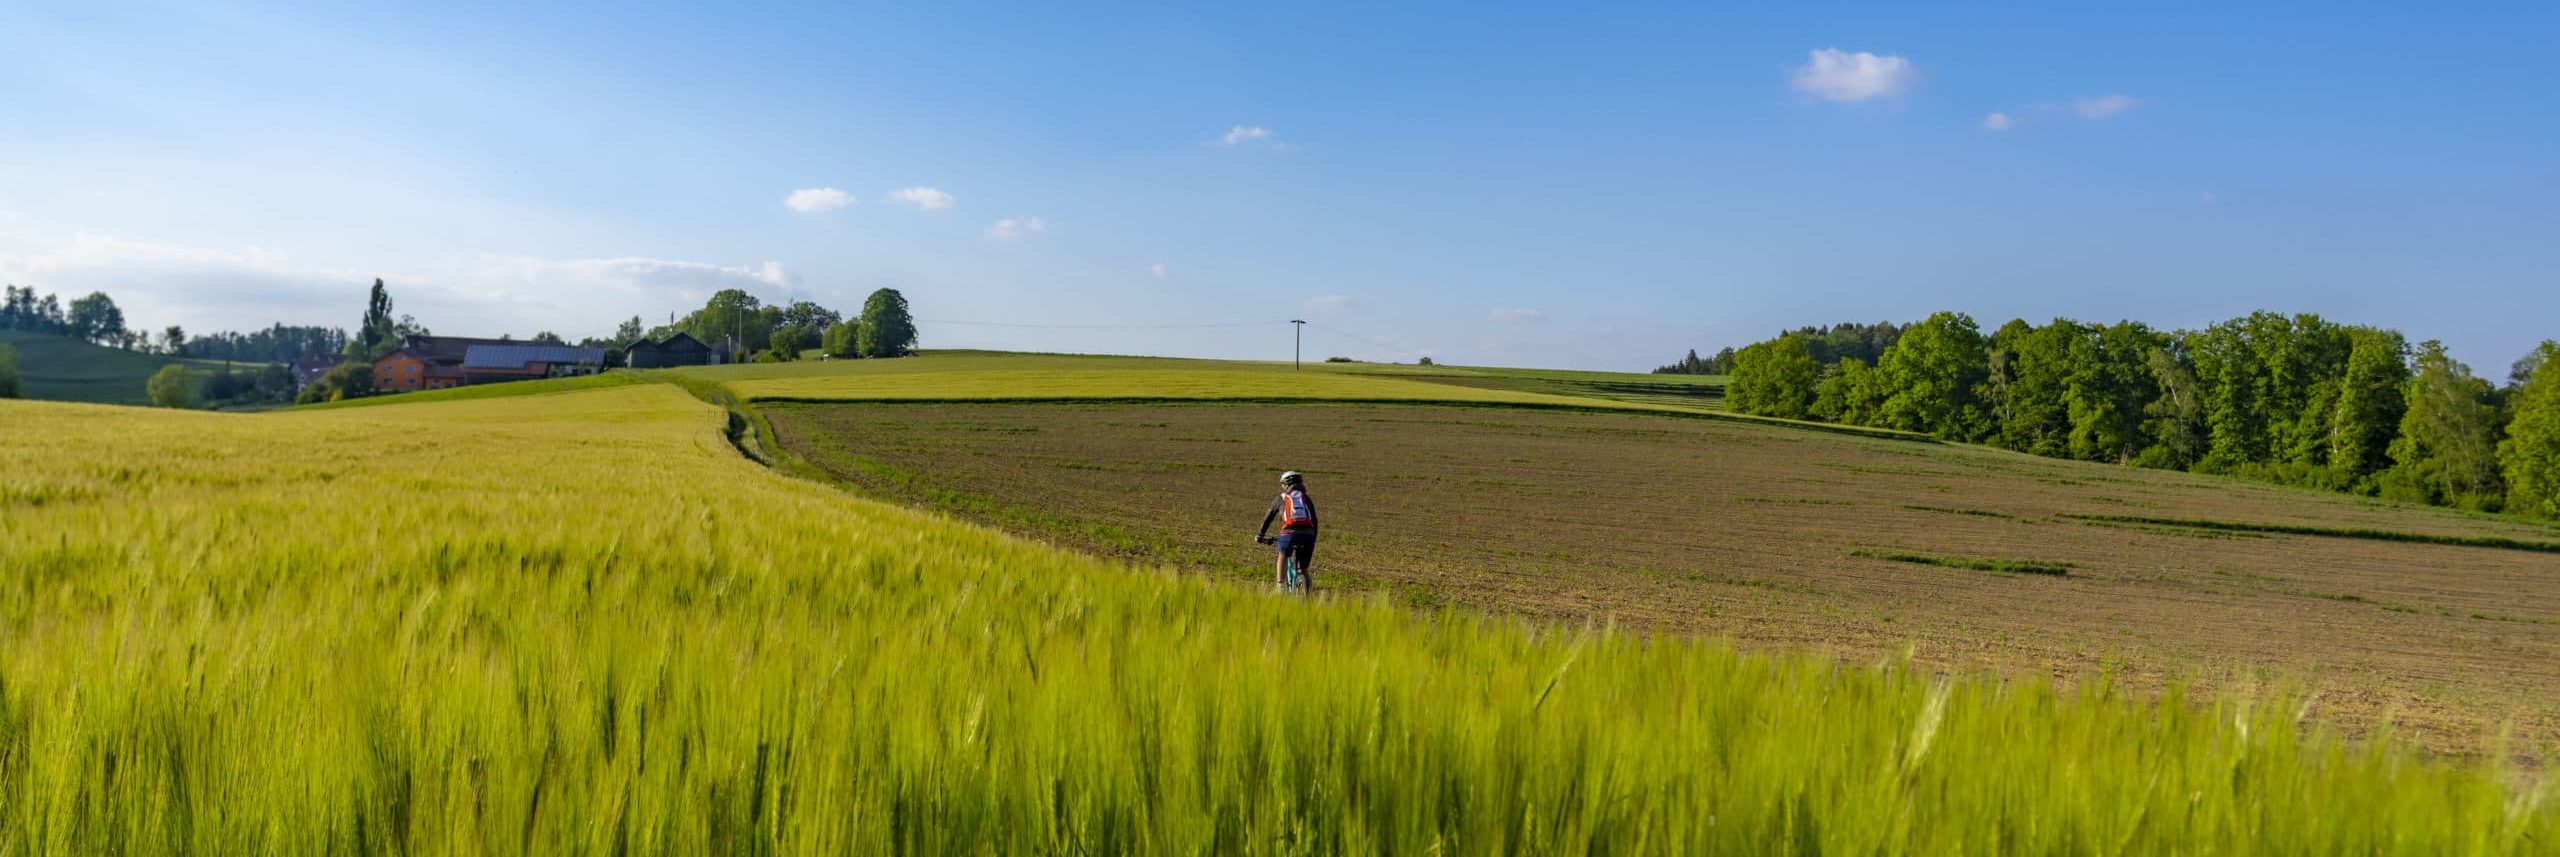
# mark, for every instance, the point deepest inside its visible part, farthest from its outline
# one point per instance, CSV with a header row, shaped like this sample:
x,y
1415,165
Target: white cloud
x,y
2102,106
1504,313
1156,269
1242,133
1329,303
1834,75
1015,227
200,287
1998,122
633,273
929,199
813,200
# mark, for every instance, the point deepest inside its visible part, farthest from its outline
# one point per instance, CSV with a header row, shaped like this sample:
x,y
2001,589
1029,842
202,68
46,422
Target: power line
x,y
1102,326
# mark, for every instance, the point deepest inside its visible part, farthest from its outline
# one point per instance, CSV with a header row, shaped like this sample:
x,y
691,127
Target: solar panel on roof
x,y
517,356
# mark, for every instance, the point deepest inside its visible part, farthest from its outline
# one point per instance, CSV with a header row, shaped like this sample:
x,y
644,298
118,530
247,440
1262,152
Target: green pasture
x,y
59,368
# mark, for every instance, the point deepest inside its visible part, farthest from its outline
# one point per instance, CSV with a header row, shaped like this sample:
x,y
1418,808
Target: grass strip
x,y
763,399
2500,542
1978,513
2006,566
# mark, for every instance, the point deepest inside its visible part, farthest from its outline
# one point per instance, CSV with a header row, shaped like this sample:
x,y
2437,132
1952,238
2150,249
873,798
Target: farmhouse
x,y
679,349
437,362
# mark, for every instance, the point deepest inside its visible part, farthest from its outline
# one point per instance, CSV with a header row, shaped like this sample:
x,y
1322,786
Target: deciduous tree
x,y
2530,456
887,330
1774,379
1850,393
95,318
2373,395
173,386
1936,371
2446,451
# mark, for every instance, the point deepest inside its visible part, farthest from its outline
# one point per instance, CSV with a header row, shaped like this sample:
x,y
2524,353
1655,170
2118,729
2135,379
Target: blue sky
x,y
1554,184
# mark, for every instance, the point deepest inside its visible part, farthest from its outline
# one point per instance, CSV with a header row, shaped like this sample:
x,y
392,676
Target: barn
x,y
680,349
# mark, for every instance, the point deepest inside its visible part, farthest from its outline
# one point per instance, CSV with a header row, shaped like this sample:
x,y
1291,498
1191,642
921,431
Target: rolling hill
x,y
59,368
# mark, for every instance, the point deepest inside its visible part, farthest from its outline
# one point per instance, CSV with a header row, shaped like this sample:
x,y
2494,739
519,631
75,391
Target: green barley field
x,y
579,622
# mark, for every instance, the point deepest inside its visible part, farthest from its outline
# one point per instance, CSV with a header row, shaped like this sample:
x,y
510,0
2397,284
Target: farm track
x,y
1773,537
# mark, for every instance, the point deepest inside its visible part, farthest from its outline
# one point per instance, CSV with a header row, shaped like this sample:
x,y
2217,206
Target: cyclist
x,y
1296,514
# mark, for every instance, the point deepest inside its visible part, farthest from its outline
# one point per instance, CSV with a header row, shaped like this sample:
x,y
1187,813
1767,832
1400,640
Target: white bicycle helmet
x,y
1290,477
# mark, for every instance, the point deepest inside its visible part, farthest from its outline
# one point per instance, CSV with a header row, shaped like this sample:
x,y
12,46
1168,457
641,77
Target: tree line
x,y
775,332
1829,346
2293,399
779,332
93,318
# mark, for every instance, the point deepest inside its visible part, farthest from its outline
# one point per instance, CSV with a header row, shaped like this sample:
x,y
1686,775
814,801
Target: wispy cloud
x,y
1015,227
1998,122
2102,106
814,200
1329,303
1835,75
1517,314
1156,269
200,287
929,199
1245,133
634,273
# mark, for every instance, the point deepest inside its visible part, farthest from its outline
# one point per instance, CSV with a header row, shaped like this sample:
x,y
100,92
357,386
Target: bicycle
x,y
1294,578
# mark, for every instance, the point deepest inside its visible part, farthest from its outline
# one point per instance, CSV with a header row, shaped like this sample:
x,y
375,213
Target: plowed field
x,y
1777,537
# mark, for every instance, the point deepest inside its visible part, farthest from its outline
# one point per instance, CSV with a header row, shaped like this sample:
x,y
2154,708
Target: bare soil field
x,y
1972,558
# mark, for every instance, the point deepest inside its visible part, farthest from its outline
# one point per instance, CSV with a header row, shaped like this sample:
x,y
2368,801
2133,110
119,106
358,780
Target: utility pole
x,y
1298,349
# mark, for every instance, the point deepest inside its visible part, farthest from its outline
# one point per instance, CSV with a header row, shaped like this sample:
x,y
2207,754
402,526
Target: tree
x,y
2530,456
377,333
49,317
9,372
2027,375
95,318
887,330
1720,364
789,339
277,344
2108,388
732,313
1775,378
174,340
1936,371
173,386
545,337
1850,393
18,309
274,383
2374,393
348,380
843,339
629,332
2446,449
807,315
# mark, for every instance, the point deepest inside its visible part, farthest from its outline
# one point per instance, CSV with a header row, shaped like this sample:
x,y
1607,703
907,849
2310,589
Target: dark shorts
x,y
1301,545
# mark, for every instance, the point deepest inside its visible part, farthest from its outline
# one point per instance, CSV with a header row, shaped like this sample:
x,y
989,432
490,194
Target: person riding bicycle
x,y
1296,514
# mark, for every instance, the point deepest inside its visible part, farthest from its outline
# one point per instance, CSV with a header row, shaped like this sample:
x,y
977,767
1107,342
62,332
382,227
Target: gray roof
x,y
517,356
